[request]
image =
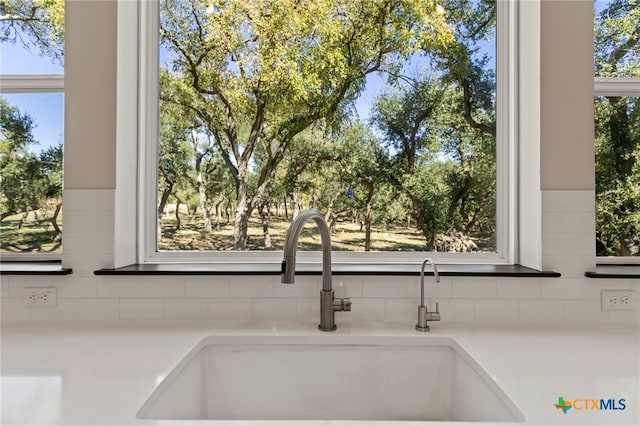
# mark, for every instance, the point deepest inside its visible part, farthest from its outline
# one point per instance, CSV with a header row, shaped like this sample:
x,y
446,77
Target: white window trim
x,y
31,84
617,86
146,134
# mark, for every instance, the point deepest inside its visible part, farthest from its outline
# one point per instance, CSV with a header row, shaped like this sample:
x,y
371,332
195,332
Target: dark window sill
x,y
337,269
34,268
615,271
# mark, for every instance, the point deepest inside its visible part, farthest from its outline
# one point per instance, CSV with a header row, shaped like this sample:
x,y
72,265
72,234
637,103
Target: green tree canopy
x,y
34,23
275,68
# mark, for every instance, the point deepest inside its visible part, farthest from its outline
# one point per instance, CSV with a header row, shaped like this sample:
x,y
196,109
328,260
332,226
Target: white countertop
x,y
101,373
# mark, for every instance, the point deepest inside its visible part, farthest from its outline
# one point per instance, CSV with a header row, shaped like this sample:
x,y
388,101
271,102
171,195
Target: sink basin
x,y
329,377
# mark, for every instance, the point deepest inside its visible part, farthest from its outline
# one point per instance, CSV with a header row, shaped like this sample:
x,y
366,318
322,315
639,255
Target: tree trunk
x,y
286,210
418,215
241,221
54,220
265,228
367,217
219,212
202,193
295,206
177,213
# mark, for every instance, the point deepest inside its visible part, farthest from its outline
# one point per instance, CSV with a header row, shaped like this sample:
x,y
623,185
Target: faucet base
x,y
420,328
327,329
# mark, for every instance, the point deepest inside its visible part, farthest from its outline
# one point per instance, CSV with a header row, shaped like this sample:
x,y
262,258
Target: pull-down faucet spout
x,y
328,303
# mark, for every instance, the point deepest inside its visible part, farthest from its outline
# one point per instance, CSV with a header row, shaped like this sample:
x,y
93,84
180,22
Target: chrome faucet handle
x,y
435,316
343,304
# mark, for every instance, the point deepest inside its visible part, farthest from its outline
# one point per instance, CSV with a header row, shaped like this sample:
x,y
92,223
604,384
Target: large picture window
x,y
384,116
31,129
617,129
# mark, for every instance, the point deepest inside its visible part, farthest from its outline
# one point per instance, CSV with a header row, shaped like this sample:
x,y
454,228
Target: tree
x,y
279,67
617,131
19,166
406,119
38,23
28,180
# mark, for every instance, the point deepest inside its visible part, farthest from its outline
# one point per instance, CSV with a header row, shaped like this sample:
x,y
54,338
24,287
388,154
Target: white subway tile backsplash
x,y
474,288
186,309
402,310
505,311
18,283
364,309
456,310
66,309
348,286
141,309
94,244
274,309
629,317
574,244
159,287
207,288
304,286
230,309
578,201
584,311
88,221
385,287
537,311
77,287
98,309
308,309
119,287
594,287
567,223
252,286
563,288
88,199
14,310
4,286
519,288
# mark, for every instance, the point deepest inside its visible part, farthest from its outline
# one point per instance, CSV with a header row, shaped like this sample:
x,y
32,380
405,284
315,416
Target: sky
x,y
46,109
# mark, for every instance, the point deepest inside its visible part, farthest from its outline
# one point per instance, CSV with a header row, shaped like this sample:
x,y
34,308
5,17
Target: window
x,y
385,116
31,121
617,130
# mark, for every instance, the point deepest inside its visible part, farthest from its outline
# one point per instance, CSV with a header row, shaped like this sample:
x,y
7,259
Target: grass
x,y
36,235
347,236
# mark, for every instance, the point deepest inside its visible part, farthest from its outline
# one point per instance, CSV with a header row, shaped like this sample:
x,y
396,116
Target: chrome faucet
x,y
328,303
423,312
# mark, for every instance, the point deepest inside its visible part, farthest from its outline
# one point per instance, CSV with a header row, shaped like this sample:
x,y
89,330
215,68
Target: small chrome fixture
x,y
328,303
423,312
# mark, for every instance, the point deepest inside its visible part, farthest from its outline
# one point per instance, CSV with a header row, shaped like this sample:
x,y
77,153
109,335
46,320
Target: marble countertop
x,y
101,373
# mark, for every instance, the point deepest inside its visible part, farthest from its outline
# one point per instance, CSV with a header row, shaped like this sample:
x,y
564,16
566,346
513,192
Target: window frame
x,y
32,84
147,133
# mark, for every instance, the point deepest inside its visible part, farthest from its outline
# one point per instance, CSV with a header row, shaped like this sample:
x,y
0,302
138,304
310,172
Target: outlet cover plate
x,y
40,297
618,300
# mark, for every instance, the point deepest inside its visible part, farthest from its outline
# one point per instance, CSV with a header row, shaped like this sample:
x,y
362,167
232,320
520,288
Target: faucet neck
x,y
291,244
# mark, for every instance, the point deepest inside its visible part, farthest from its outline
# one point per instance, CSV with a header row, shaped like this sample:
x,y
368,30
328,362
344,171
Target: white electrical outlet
x,y
40,296
618,300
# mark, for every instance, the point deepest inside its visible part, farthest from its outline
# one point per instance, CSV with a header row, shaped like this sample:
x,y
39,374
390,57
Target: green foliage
x,y
27,179
617,132
617,39
34,23
258,73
